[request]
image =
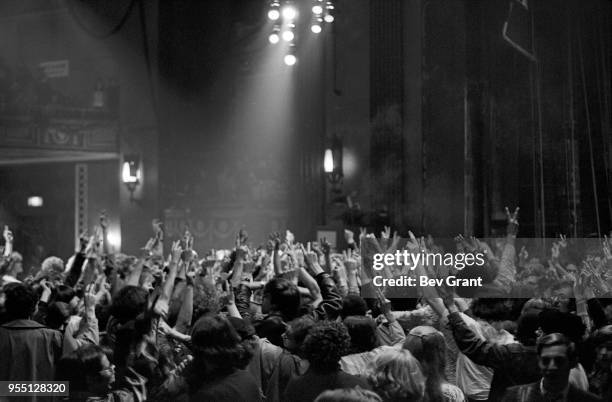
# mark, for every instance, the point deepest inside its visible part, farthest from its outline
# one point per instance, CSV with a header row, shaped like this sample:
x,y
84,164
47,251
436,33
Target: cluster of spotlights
x,y
284,16
284,13
322,11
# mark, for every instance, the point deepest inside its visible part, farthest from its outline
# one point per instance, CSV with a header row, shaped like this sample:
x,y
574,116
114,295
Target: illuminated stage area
x,y
306,200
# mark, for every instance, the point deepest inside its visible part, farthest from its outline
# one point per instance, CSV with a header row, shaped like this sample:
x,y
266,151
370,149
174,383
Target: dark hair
x,y
78,365
217,350
325,345
557,339
284,297
299,329
21,301
362,330
248,339
492,309
527,326
430,351
353,305
63,293
568,324
128,303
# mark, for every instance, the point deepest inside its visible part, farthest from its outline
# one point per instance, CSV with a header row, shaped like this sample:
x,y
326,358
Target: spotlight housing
x,y
316,27
328,18
317,9
274,38
274,14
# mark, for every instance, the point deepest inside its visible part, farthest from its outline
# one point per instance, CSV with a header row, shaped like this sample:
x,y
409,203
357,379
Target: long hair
x,y
217,351
430,351
397,376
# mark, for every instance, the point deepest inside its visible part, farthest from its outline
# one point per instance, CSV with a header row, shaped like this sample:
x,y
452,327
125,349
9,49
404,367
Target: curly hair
x,y
397,376
325,345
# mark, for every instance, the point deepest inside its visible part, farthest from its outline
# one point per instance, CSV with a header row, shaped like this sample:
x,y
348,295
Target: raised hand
x,y
176,251
325,246
523,256
8,238
413,244
349,236
513,223
103,220
351,264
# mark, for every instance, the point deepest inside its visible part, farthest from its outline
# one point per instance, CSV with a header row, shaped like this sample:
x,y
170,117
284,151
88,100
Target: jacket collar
x,y
23,324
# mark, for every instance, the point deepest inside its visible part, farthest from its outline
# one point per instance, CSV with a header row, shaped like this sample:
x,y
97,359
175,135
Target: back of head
x,y
353,305
428,346
284,297
527,326
129,302
348,395
21,301
362,330
52,264
555,321
63,293
325,345
217,349
78,365
397,376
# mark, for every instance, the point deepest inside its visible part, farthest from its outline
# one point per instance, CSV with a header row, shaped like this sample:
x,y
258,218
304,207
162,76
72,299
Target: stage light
x,y
289,13
315,28
290,59
274,14
274,38
328,18
114,239
35,201
131,173
288,36
328,161
317,9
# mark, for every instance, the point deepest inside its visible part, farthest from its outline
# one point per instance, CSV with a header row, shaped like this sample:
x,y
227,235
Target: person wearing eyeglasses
x,y
92,377
556,357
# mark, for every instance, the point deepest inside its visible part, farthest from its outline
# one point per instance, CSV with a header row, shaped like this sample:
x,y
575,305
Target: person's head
x,y
397,376
527,329
52,264
353,305
295,334
348,395
533,306
128,303
21,301
217,348
88,370
64,294
556,357
362,330
282,296
568,324
248,338
428,346
325,345
15,266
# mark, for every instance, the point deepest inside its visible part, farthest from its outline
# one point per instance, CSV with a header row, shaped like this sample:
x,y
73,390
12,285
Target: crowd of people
x,y
287,321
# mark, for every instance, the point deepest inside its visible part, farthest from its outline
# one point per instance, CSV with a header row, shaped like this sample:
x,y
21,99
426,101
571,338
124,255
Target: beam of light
x,y
328,161
114,239
288,36
289,13
290,59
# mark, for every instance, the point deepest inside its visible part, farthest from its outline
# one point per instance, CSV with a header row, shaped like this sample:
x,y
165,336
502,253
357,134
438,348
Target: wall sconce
x,y
332,162
131,173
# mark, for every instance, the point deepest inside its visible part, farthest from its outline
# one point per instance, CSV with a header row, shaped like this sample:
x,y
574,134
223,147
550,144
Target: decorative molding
x,y
60,134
